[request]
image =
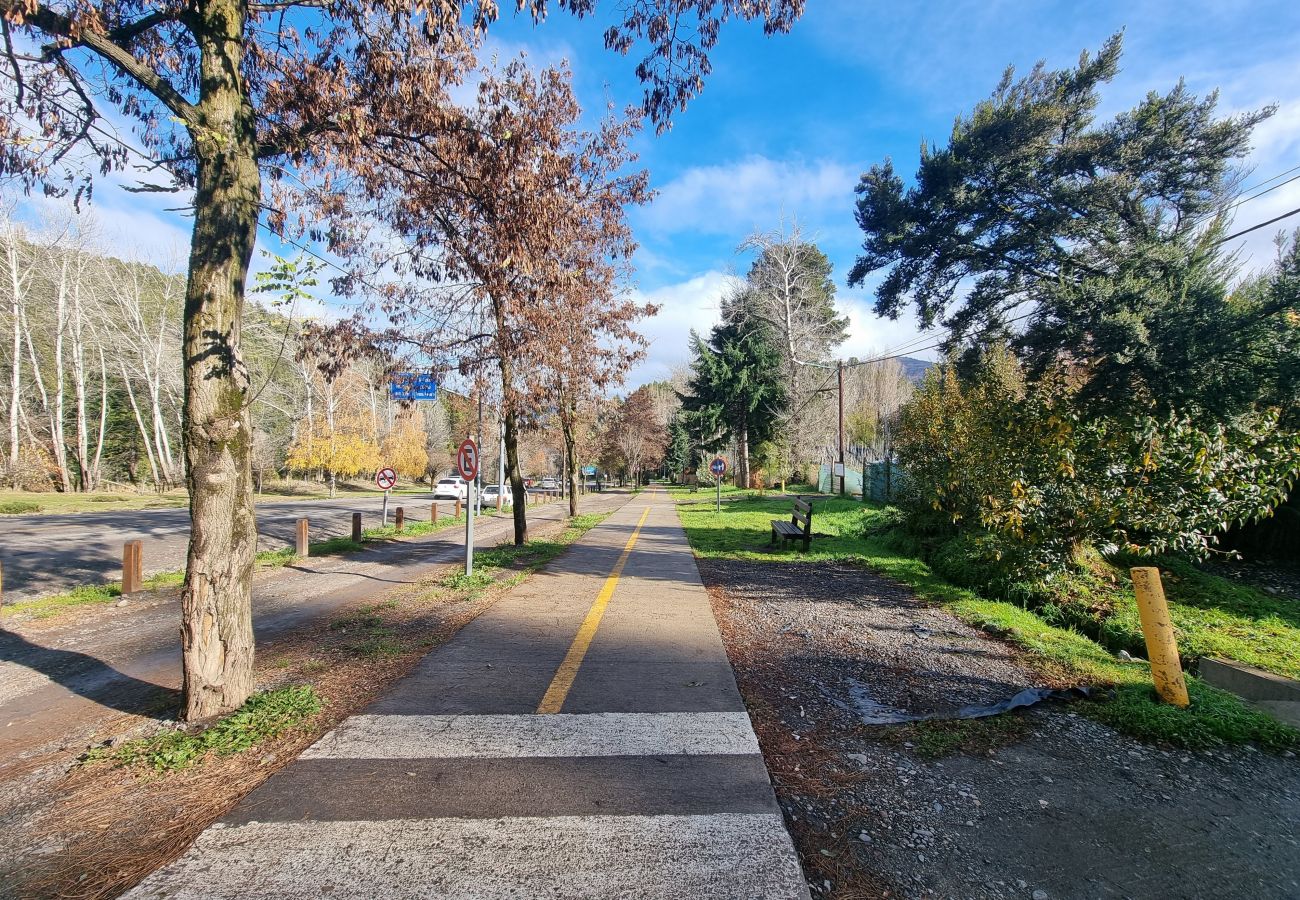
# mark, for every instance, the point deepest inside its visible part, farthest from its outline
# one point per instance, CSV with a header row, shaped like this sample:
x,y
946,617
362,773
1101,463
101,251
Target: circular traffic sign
x,y
467,459
718,466
385,478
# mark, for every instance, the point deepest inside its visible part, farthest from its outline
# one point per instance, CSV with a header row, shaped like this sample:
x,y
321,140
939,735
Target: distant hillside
x,y
915,368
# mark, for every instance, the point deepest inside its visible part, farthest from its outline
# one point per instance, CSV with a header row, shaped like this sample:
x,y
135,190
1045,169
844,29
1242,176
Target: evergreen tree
x,y
1103,238
681,455
735,392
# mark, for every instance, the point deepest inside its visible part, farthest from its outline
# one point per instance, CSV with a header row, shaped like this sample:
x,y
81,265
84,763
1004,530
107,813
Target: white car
x,y
549,484
453,488
492,491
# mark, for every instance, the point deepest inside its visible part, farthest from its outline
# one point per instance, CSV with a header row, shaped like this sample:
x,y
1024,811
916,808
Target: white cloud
x,y
870,335
694,304
756,192
689,304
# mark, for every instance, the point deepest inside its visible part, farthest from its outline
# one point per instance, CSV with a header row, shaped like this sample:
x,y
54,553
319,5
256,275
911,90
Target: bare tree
x,y
789,289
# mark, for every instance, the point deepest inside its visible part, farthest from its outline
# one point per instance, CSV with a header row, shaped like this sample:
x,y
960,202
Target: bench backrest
x,y
802,515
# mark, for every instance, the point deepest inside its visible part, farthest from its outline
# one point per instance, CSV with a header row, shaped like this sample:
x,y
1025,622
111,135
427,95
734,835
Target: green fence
x,y
882,480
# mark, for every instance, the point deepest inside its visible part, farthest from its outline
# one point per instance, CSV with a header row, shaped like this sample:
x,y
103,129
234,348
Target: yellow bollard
x,y
1162,647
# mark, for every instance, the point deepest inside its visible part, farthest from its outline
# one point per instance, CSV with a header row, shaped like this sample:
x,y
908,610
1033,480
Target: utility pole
x,y
843,469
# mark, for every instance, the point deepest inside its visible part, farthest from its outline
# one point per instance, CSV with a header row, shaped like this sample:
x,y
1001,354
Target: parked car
x,y
549,484
492,491
453,488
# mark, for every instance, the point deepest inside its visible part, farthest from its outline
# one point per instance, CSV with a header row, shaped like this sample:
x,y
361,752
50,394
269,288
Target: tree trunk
x,y
570,462
144,434
216,610
519,510
15,383
742,455
95,467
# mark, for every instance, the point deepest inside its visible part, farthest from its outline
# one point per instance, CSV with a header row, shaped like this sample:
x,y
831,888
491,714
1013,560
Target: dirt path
x,y
1039,804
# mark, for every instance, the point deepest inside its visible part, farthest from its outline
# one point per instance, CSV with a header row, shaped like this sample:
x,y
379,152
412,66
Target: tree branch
x,y
61,26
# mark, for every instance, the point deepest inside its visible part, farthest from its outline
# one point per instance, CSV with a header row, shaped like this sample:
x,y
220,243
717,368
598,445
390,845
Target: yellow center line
x,y
568,671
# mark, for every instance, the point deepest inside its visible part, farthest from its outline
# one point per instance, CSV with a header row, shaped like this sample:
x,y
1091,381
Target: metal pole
x,y
383,519
717,500
843,470
478,440
469,530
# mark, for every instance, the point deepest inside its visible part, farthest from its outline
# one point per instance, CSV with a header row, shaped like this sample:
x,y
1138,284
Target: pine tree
x,y
735,392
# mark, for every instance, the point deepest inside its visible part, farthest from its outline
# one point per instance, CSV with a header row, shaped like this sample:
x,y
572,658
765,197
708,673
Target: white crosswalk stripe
x,y
505,736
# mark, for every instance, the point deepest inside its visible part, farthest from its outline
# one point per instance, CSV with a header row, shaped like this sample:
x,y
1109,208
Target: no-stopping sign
x,y
467,459
718,467
385,478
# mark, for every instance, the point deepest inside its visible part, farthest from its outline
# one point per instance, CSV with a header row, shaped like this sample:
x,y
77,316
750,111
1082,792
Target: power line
x,y
1285,215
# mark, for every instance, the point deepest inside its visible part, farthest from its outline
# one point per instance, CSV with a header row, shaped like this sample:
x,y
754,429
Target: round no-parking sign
x,y
385,478
467,459
718,467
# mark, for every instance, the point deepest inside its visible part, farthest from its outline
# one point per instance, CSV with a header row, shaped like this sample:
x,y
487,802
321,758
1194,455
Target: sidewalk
x,y
582,738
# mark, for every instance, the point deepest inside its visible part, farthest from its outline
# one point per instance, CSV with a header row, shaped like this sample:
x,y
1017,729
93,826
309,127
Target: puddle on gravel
x,y
870,711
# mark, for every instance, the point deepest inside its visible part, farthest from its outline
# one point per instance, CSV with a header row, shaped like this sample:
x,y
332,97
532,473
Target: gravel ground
x,y
1041,803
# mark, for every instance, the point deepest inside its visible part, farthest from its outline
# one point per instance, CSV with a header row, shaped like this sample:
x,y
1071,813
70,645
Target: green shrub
x,y
18,507
1035,468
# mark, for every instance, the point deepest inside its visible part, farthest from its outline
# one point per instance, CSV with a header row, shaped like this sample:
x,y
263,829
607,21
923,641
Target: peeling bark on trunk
x,y
216,625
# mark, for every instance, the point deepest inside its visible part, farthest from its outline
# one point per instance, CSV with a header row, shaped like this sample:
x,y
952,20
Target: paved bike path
x,y
582,738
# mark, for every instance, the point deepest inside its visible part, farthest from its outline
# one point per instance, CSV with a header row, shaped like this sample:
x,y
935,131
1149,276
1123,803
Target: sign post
x,y
385,478
719,468
467,465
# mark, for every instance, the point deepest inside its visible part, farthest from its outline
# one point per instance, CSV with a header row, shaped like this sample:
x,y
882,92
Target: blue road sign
x,y
413,386
588,470
718,467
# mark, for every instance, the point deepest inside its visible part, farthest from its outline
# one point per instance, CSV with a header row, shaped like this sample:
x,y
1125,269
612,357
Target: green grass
x,y
87,595
266,715
1213,616
272,559
1214,717
18,507
489,565
743,529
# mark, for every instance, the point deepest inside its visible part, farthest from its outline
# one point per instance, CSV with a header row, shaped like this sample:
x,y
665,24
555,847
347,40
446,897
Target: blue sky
x,y
786,124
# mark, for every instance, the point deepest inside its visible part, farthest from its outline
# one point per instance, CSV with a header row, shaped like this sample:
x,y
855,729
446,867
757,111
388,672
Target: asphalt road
x,y
48,554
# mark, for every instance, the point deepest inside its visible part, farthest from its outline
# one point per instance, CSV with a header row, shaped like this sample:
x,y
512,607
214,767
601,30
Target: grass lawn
x,y
685,494
1215,613
54,503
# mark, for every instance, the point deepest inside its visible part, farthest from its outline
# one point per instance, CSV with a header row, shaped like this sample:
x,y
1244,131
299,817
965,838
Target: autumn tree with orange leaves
x,y
531,232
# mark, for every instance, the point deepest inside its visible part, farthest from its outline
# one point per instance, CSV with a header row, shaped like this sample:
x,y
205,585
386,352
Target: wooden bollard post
x,y
303,548
1162,647
400,518
458,507
132,566
433,514
356,528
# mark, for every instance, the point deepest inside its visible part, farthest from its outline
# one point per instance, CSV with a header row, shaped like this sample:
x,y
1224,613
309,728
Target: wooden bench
x,y
793,530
